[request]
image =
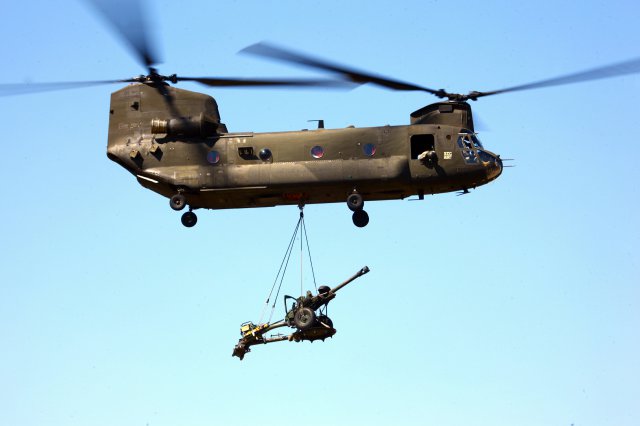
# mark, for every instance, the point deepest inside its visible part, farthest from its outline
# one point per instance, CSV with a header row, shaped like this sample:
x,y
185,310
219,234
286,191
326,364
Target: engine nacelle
x,y
201,126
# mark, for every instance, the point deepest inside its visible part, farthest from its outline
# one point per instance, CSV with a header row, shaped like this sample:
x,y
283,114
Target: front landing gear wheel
x,y
360,218
189,219
177,202
355,202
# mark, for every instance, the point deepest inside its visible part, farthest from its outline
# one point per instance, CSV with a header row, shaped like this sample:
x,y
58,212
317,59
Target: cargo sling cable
x,y
285,263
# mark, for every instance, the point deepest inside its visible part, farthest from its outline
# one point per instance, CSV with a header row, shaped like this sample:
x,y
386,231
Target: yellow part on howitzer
x,y
251,328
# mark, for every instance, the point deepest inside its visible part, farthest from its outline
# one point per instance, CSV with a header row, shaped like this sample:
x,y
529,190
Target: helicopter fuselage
x,y
194,155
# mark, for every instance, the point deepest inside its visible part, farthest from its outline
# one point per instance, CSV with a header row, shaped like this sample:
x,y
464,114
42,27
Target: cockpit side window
x,y
469,156
464,141
468,144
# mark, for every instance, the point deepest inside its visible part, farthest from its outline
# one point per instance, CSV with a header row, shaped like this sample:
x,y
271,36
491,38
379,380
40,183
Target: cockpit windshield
x,y
476,141
485,157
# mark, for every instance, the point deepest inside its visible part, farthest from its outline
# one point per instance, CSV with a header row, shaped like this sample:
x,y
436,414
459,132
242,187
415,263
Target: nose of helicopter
x,y
493,166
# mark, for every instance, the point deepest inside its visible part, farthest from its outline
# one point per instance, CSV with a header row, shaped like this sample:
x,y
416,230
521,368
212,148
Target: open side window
x,y
420,144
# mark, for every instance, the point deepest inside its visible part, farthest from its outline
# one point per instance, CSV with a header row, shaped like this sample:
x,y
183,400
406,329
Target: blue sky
x,y
516,304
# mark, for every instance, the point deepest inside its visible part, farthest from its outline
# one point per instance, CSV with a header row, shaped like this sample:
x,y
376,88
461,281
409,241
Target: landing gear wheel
x,y
178,202
304,318
189,219
360,218
355,202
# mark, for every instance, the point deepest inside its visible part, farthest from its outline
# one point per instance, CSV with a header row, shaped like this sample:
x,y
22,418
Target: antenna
x,y
320,123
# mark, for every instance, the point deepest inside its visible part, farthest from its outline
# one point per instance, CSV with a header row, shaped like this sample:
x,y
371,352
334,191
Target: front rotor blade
x,y
359,77
621,68
126,17
26,88
248,82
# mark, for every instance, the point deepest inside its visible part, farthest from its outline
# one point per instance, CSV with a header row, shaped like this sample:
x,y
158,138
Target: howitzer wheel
x,y
304,318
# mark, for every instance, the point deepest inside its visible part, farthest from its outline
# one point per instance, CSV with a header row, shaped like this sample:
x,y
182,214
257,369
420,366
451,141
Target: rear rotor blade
x,y
359,77
26,88
621,68
248,82
13,89
128,20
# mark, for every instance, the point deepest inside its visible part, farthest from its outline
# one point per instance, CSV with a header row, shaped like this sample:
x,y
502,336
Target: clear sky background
x,y
516,304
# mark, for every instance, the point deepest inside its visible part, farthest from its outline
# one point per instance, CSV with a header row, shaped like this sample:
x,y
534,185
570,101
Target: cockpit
x,y
474,153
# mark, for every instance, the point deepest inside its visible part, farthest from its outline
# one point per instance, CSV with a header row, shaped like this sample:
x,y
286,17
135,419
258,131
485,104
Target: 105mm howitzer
x,y
307,315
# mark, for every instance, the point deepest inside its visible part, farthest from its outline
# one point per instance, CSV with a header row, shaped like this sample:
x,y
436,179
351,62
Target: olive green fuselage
x,y
215,169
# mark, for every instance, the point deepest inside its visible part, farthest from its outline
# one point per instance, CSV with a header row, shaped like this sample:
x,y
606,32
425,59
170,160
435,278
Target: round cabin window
x,y
317,152
265,154
213,157
369,150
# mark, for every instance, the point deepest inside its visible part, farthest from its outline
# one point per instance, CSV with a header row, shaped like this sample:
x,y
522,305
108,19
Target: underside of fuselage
x,y
302,194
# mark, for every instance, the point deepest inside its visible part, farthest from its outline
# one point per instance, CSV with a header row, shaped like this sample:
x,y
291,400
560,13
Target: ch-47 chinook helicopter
x,y
173,141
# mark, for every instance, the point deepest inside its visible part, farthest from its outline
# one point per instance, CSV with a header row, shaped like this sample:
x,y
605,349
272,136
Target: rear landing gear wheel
x,y
178,202
189,219
360,218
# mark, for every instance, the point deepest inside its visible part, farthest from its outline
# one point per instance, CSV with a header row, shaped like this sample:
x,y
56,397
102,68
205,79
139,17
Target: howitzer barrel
x,y
360,273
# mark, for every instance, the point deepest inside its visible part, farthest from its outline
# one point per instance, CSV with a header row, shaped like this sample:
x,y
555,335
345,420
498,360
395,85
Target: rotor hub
x,y
155,78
